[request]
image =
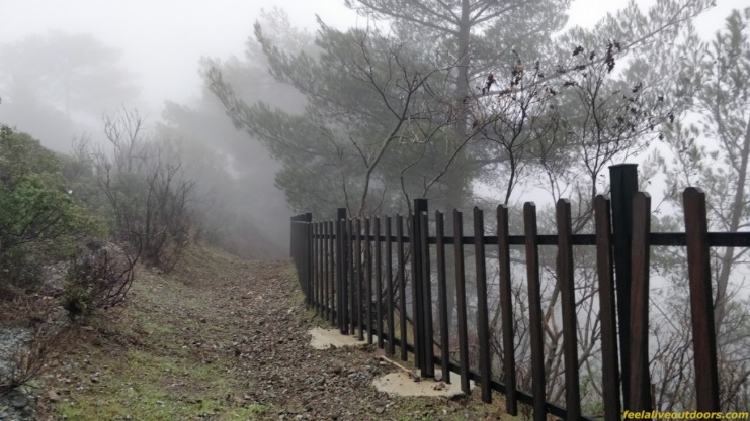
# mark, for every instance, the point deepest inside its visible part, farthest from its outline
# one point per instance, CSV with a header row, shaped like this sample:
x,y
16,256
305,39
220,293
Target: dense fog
x,y
181,123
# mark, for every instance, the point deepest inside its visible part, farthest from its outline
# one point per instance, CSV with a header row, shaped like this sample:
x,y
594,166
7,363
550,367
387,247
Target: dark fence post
x,y
322,250
639,396
442,297
428,369
701,302
610,374
401,286
328,279
332,266
420,206
350,275
368,280
623,180
358,277
506,311
483,326
340,270
460,278
291,236
379,283
308,256
389,287
565,277
536,334
317,265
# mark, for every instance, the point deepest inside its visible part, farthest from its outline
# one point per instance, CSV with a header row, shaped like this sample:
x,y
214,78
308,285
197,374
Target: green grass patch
x,y
145,386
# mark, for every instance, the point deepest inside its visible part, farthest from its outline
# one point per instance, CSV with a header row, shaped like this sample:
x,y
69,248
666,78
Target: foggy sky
x,y
162,40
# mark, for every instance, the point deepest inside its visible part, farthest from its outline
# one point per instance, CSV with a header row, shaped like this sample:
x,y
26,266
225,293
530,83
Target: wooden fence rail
x,y
334,261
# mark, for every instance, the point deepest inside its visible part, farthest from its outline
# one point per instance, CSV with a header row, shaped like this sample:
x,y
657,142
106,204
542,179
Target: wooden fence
x,y
335,261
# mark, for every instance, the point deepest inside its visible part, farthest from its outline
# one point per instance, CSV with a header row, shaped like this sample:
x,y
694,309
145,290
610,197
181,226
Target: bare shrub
x,y
98,278
33,328
27,358
146,191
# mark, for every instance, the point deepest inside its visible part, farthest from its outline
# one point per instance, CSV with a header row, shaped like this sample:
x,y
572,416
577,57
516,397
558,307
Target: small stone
x,y
53,396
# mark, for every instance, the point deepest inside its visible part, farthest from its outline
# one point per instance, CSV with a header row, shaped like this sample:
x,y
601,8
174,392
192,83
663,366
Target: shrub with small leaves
x,y
99,277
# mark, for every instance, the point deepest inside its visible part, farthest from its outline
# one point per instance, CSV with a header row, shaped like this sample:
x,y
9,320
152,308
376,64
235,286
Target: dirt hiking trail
x,y
223,338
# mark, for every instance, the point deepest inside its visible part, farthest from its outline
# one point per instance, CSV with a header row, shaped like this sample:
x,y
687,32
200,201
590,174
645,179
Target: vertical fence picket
x,y
506,311
483,327
344,283
368,281
402,286
358,279
292,242
340,272
378,282
389,287
701,302
324,269
428,364
460,281
302,253
411,227
351,278
565,279
321,267
327,271
538,386
314,267
442,297
307,251
322,262
640,382
416,280
323,272
314,290
319,271
623,186
331,275
610,372
310,257
305,254
338,275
